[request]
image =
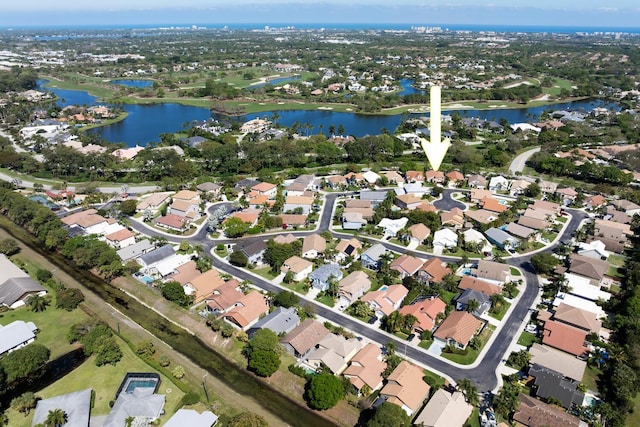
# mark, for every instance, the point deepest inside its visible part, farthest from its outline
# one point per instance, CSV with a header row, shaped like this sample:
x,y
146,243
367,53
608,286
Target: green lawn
x,y
558,85
326,300
616,260
514,271
434,379
104,381
590,378
561,219
264,272
503,310
425,344
634,421
474,419
469,355
299,287
614,272
526,339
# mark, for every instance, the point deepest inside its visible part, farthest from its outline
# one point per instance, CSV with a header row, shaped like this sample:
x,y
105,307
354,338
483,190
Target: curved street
x,y
483,372
518,164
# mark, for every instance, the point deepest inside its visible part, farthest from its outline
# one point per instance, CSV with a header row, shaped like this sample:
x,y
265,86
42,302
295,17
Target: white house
x,y
392,226
499,183
445,238
16,335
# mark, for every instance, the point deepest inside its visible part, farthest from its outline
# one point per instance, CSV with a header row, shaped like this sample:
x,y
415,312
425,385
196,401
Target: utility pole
x,y
204,386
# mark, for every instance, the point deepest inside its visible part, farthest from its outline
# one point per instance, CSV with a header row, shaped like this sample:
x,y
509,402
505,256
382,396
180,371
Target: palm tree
x,y
469,390
38,303
472,306
56,418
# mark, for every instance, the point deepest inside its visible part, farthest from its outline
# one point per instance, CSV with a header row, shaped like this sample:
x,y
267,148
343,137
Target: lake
x,y
145,123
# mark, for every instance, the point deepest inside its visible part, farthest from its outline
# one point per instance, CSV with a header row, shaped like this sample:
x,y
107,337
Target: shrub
x,y
164,361
69,299
178,372
190,398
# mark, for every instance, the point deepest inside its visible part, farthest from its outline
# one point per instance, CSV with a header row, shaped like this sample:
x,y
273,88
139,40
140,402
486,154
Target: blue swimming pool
x,y
134,380
133,384
383,287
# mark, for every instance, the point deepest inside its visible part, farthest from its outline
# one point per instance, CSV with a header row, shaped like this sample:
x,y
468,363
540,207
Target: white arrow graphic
x,y
437,148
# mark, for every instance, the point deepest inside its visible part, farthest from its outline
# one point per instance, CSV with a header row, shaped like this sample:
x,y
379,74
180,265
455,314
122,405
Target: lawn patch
x,y
526,339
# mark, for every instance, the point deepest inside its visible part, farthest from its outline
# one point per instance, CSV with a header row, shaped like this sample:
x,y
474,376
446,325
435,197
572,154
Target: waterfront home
x,y
281,321
247,310
203,285
334,352
322,276
299,267
16,335
366,368
120,239
90,222
191,417
76,407
405,388
16,286
224,297
142,403
457,329
444,409
133,251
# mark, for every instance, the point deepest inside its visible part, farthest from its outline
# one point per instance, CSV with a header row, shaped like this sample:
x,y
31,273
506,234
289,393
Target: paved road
x,y
447,202
517,165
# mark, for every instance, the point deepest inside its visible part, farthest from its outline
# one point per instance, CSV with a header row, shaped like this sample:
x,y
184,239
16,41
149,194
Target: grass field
x,y
104,381
558,85
526,339
503,310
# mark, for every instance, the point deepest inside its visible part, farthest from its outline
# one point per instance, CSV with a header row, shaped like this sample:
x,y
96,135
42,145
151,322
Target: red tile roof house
x,y
249,216
593,202
458,329
386,302
479,285
414,176
265,189
434,176
248,310
433,271
455,177
304,337
418,232
406,388
426,312
121,239
172,222
406,265
534,413
493,205
564,337
300,267
408,201
366,368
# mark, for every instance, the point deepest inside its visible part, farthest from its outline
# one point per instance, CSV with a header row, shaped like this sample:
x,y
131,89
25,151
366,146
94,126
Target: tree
x,y
323,391
107,351
544,263
146,348
235,227
263,363
519,360
469,390
472,305
24,403
286,299
247,419
389,415
507,399
238,259
173,291
69,298
128,207
56,418
38,303
178,372
9,247
24,362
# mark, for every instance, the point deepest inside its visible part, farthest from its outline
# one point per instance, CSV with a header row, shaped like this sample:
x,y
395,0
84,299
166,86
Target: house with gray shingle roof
x,y
321,276
281,321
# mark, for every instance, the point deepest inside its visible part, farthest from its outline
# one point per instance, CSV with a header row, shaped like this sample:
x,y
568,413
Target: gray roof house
x,y
501,238
550,383
321,276
156,255
76,405
135,250
191,418
16,335
484,301
254,251
374,197
281,321
371,257
141,403
15,285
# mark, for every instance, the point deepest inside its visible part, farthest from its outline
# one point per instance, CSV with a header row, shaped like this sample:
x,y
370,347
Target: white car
x,y
531,328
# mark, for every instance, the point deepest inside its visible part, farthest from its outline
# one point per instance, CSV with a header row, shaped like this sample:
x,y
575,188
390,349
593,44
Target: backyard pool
x,y
466,271
383,287
134,380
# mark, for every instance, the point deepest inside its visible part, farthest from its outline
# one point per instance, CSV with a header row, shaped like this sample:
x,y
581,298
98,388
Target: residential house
x,y
347,248
321,277
304,337
405,388
414,176
353,221
518,187
133,251
187,196
479,285
464,299
539,214
140,403
224,297
210,188
433,271
371,258
436,177
595,249
477,195
285,239
493,205
416,188
406,265
352,287
481,216
391,227
16,335
477,181
589,289
303,203
534,413
76,406
16,286
191,417
253,251
248,216
336,182
568,195
426,313
548,187
520,231
299,267
203,285
153,202
281,321
375,197
292,220
418,233
408,201
185,208
444,409
172,222
89,222
566,364
444,238
482,245
453,218
595,201
626,206
247,310
499,183
549,383
455,178
533,223
371,177
564,337
501,239
120,239
313,245
394,177
185,273
265,189
588,267
492,271
334,352
577,317
458,329
385,301
546,206
366,368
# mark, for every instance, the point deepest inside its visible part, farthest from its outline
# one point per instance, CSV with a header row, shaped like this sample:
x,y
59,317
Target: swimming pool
x,y
466,271
133,384
134,380
384,287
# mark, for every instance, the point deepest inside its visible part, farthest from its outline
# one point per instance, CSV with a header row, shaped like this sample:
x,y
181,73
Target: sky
x,y
586,13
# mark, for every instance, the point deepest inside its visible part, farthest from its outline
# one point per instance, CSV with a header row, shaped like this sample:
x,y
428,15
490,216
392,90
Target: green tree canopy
x,y
389,415
247,419
324,391
544,263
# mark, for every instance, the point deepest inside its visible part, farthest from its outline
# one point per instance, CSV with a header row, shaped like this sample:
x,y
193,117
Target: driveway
x,y
517,165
